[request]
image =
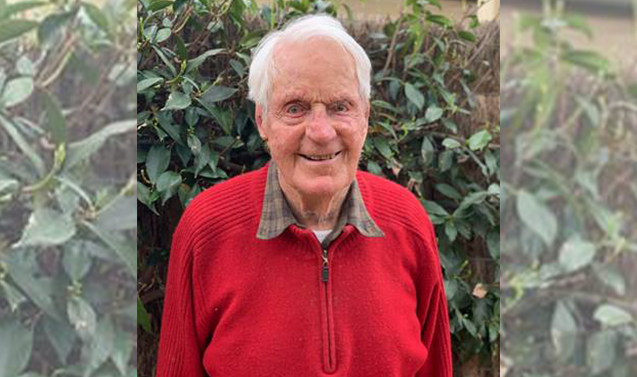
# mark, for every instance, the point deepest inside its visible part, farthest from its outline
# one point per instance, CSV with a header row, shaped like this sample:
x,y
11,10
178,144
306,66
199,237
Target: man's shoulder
x,y
380,188
231,189
387,200
226,204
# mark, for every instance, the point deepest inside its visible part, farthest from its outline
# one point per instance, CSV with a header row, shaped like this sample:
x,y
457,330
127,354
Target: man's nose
x,y
320,128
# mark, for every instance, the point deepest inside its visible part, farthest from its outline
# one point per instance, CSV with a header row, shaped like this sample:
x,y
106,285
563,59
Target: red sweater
x,y
239,306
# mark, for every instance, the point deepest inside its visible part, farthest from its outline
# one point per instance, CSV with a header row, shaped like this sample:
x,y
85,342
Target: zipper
x,y
325,275
329,362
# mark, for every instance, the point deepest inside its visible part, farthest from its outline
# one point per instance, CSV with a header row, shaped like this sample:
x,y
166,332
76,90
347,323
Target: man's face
x,y
316,121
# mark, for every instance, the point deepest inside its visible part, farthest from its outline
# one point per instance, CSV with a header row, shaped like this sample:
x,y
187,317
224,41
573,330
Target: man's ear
x,y
258,117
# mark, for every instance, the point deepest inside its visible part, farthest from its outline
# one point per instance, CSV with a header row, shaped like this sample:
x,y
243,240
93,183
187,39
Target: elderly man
x,y
306,267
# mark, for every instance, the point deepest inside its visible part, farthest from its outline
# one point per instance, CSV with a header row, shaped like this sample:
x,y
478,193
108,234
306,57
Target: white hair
x,y
262,67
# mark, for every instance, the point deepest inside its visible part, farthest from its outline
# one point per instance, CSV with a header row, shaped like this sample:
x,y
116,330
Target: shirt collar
x,y
276,214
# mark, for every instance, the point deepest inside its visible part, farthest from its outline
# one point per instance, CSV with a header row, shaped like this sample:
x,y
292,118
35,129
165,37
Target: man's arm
x,y
180,347
432,310
435,336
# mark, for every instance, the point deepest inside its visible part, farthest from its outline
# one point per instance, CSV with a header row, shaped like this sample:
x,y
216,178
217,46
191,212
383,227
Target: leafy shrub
x,y
569,209
66,190
195,128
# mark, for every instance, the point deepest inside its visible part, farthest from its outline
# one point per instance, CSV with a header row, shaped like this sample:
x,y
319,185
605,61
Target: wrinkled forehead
x,y
318,65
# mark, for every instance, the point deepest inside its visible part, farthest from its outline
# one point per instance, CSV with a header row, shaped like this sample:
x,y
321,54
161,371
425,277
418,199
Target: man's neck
x,y
318,212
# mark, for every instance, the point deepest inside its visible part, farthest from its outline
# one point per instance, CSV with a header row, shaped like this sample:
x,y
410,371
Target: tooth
x,y
321,158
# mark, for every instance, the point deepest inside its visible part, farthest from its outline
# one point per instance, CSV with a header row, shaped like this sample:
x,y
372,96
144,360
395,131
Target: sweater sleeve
x,y
181,344
434,317
435,336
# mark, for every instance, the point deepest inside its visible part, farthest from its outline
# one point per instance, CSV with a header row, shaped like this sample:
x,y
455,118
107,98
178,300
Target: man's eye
x,y
341,107
294,109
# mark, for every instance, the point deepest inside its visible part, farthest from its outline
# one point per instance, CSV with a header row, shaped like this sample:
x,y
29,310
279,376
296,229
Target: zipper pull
x,y
326,269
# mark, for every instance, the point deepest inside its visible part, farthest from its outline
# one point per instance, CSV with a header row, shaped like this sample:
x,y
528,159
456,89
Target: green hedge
x,y
67,184
570,206
196,128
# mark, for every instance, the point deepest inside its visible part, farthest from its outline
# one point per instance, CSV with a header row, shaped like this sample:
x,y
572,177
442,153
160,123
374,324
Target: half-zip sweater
x,y
237,305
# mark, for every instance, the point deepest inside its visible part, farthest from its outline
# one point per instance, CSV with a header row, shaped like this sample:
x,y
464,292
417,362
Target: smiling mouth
x,y
321,157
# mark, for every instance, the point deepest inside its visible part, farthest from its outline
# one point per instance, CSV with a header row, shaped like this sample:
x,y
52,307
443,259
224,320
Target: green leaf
x,y
196,62
82,317
6,11
446,160
588,60
162,35
167,124
144,196
23,144
383,147
450,143
180,48
47,227
12,295
439,19
374,168
601,351
434,208
493,244
194,144
450,230
576,253
17,91
467,36
202,159
177,101
563,331
166,61
55,121
433,114
97,16
16,350
479,140
537,217
101,345
168,184
38,290
125,252
119,214
611,315
159,5
76,261
24,66
612,277
50,27
448,191
451,288
472,199
11,29
415,96
143,319
427,150
148,83
61,336
122,349
7,185
81,150
157,162
217,93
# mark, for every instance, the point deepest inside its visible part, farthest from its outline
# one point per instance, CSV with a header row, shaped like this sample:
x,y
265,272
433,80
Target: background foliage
x,y
570,205
66,189
433,129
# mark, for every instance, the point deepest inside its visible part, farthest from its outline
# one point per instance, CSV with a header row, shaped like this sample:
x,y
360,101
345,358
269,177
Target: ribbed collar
x,y
276,215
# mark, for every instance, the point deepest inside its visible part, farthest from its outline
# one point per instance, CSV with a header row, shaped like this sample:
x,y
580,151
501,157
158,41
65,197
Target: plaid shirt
x,y
277,215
